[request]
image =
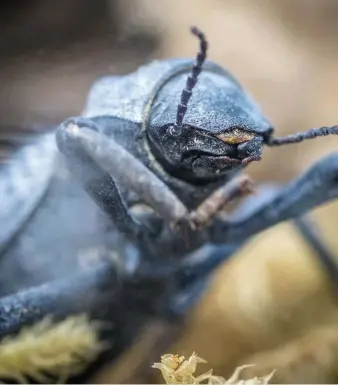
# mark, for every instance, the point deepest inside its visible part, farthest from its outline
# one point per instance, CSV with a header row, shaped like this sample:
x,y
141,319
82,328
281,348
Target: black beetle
x,y
162,163
142,140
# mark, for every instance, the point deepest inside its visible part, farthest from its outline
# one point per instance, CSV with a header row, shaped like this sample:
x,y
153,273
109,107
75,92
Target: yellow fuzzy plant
x,y
50,352
176,370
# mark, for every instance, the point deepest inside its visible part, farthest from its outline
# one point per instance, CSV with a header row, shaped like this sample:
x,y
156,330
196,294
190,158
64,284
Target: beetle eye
x,y
235,136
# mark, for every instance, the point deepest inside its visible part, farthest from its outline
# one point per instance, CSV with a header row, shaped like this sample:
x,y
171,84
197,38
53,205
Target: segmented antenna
x,y
301,136
192,78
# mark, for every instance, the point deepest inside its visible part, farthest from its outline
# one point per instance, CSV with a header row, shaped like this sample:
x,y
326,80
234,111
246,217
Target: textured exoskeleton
x,y
161,152
141,140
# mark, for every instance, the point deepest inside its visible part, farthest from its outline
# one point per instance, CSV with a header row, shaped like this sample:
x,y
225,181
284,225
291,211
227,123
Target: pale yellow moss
x,y
49,352
176,370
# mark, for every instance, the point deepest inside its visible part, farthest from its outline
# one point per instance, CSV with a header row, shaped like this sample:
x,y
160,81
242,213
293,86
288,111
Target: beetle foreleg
x,y
99,184
211,206
129,171
315,187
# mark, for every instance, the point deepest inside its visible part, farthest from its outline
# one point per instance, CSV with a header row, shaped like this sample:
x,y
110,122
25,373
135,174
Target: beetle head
x,y
219,132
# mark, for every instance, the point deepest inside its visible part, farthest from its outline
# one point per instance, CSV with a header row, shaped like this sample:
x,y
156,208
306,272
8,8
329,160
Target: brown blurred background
x,y
284,52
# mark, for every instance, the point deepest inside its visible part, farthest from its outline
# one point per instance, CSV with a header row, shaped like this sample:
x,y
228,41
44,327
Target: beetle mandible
x,y
174,137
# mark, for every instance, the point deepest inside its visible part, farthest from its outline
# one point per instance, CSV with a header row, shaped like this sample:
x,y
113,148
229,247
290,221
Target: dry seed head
x,y
176,370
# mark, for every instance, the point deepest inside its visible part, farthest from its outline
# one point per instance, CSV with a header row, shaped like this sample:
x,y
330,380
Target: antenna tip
x,y
197,32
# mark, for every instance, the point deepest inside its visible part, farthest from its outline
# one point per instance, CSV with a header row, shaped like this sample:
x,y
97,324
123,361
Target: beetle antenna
x,y
192,78
313,133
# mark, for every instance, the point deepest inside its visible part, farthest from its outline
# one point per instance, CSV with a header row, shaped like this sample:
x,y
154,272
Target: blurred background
x,y
286,54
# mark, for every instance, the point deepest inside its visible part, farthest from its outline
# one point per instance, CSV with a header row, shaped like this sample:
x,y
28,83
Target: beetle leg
x,y
129,171
210,207
305,225
316,186
214,256
207,259
91,157
92,293
310,233
100,186
120,307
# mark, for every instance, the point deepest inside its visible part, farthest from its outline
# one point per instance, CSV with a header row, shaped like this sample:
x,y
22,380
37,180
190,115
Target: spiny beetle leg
x,y
211,206
105,152
204,261
316,186
99,184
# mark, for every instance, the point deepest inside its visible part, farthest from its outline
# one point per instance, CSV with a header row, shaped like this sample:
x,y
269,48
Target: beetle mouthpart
x,y
235,136
249,159
214,164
